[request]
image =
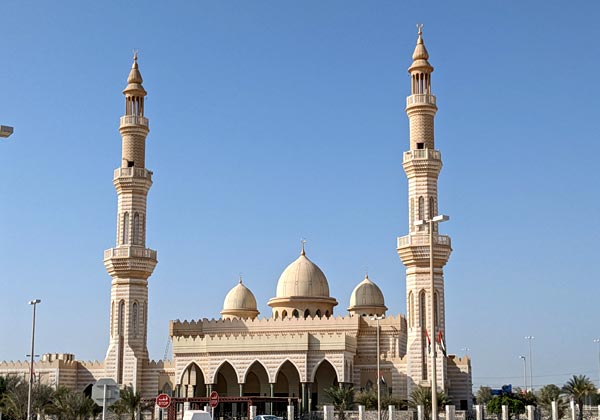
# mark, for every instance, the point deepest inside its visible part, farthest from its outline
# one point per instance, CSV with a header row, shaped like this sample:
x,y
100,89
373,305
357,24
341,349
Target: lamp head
x,y
35,301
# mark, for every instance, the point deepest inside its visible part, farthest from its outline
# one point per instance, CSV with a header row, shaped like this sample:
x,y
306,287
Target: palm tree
x,y
421,395
130,403
579,387
342,398
549,393
14,398
71,405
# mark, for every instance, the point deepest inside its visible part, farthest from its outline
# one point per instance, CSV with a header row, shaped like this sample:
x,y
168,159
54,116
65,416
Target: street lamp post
x,y
33,303
530,338
524,371
377,318
597,341
432,223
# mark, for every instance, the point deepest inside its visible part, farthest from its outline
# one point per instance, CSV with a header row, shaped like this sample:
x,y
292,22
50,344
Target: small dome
x,y
367,299
239,302
302,278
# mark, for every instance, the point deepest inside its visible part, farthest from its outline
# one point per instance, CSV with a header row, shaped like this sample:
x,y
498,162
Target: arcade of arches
x,y
256,382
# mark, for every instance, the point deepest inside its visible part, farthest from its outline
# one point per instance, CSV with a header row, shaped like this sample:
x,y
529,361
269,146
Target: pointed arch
x,y
121,319
422,309
287,380
125,229
319,364
324,375
411,309
192,381
256,380
226,380
256,363
135,319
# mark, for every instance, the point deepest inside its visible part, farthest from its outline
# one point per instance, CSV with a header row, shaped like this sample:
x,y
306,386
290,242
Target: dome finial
x,y
303,241
240,278
419,29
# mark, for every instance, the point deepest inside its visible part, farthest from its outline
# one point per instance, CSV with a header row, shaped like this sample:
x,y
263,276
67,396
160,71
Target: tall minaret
x,y
422,164
130,263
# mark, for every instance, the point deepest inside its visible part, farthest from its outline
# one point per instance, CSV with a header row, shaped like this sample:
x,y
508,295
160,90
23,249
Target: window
x,y
422,310
125,229
136,229
411,310
306,313
121,321
295,314
135,319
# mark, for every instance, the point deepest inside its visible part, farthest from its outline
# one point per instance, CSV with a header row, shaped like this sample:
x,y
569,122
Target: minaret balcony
x,y
421,154
130,262
128,120
420,99
414,249
130,252
132,172
420,240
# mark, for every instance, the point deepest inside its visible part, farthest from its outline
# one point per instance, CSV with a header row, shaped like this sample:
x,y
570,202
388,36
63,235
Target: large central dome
x,y
302,291
302,278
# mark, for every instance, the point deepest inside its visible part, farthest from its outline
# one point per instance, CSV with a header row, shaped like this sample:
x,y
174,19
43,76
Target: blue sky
x,y
277,120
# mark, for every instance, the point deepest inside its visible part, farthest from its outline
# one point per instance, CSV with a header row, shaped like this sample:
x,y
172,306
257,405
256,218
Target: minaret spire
x,y
422,164
130,263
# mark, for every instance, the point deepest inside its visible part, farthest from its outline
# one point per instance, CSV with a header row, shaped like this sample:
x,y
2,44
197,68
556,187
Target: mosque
x,y
303,346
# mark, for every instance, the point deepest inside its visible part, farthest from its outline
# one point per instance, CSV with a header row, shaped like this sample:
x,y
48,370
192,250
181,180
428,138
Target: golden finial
x,y
240,278
303,241
135,54
420,29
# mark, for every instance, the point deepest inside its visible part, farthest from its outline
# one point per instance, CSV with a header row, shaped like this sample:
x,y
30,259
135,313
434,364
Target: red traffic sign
x,y
163,401
213,400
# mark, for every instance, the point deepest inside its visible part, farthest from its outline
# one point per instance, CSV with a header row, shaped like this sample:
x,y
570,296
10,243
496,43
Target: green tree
x,y
421,395
71,405
342,399
13,402
484,394
129,404
579,387
546,395
515,405
368,398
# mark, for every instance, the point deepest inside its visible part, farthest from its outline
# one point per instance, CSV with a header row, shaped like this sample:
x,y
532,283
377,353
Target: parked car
x,y
266,417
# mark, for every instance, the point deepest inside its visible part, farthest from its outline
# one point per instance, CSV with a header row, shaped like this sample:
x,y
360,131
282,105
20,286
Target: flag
x,y
440,340
428,341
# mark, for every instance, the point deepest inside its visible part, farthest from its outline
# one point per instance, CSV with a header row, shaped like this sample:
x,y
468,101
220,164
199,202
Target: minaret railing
x,y
134,120
421,154
422,240
420,98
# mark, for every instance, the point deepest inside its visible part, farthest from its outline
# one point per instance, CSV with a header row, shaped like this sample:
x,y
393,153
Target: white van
x,y
197,415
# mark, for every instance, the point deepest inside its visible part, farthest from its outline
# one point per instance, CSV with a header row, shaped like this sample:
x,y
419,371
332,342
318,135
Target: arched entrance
x,y
287,381
192,382
257,381
325,377
226,382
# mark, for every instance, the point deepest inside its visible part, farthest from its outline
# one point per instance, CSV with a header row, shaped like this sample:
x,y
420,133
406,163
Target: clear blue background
x,y
277,120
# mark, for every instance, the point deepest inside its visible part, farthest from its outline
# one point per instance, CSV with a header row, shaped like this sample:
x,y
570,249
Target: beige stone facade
x,y
303,346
